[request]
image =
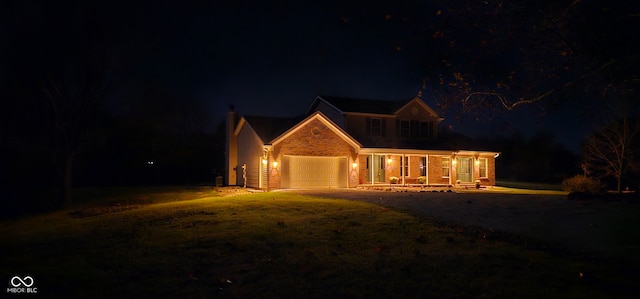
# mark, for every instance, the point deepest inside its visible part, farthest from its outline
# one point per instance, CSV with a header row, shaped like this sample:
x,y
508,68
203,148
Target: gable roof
x,y
266,127
326,121
423,104
345,104
369,106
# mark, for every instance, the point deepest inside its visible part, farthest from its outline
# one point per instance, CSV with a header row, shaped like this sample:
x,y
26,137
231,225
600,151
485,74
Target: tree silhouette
x,y
488,56
75,92
613,149
61,65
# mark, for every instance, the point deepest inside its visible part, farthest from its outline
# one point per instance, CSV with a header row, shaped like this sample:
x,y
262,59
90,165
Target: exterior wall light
x,y
389,161
354,165
275,164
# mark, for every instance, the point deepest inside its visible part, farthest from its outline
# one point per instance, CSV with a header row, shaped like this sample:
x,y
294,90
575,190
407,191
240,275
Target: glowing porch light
x,y
275,164
354,165
389,161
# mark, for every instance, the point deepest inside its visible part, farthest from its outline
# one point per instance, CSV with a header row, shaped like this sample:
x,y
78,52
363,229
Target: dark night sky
x,y
274,59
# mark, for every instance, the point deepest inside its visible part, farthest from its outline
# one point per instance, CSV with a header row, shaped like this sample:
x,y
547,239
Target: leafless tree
x,y
75,89
612,150
483,57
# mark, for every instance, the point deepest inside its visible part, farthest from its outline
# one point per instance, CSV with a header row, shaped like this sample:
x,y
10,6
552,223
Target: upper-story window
x,y
404,128
426,129
416,129
376,126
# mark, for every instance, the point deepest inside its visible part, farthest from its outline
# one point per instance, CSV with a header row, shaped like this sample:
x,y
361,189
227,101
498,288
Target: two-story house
x,y
345,142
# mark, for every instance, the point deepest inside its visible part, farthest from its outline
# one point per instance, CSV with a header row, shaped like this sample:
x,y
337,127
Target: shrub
x,y
394,180
422,179
582,184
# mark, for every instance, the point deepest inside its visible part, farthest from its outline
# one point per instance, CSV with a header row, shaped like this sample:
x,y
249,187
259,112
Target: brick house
x,y
345,142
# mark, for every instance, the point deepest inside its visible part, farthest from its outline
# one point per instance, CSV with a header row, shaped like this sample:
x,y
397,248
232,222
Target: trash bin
x,y
219,181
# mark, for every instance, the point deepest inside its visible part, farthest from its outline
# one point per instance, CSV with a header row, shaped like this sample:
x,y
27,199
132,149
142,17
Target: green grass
x,y
196,244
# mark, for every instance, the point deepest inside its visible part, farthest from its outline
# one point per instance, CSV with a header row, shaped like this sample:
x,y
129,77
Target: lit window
x,y
483,167
445,167
423,166
404,170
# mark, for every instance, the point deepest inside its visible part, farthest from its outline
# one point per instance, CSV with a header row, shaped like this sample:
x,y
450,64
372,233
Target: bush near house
x,y
582,187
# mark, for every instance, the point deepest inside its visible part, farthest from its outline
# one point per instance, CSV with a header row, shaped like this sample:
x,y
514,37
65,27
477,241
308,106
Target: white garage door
x,y
314,172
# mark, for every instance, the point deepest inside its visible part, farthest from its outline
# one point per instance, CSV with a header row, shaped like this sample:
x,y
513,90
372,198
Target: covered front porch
x,y
425,168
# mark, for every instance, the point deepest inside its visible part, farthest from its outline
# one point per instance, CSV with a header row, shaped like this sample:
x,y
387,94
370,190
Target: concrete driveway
x,y
597,226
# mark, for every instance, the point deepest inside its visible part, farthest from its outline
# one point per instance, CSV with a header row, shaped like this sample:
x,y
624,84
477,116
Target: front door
x,y
375,168
464,171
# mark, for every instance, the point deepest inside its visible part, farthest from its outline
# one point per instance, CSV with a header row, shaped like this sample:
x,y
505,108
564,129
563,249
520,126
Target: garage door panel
x,y
314,172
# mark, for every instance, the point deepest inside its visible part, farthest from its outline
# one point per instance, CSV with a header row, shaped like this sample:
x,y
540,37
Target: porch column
x,y
403,168
426,169
451,158
371,167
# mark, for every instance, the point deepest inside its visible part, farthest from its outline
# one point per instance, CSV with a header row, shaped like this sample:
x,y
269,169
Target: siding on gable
x,y
250,151
422,115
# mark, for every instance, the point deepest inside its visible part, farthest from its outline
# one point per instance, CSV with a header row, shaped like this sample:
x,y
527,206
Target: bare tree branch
x,y
506,104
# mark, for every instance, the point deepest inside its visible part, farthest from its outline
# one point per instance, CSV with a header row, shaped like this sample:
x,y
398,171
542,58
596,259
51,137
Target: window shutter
x,y
383,127
368,126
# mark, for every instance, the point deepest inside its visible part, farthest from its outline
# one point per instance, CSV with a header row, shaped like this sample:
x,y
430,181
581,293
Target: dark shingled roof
x,y
268,128
365,105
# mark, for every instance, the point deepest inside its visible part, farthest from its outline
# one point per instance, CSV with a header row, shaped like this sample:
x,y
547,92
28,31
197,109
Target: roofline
x,y
423,104
370,114
320,98
326,121
400,151
241,123
471,152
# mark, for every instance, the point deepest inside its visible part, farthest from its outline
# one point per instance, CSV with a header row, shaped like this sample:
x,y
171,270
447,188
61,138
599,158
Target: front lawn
x,y
283,245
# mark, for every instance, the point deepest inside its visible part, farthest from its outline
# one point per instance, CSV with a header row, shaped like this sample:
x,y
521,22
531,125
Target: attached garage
x,y
314,172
